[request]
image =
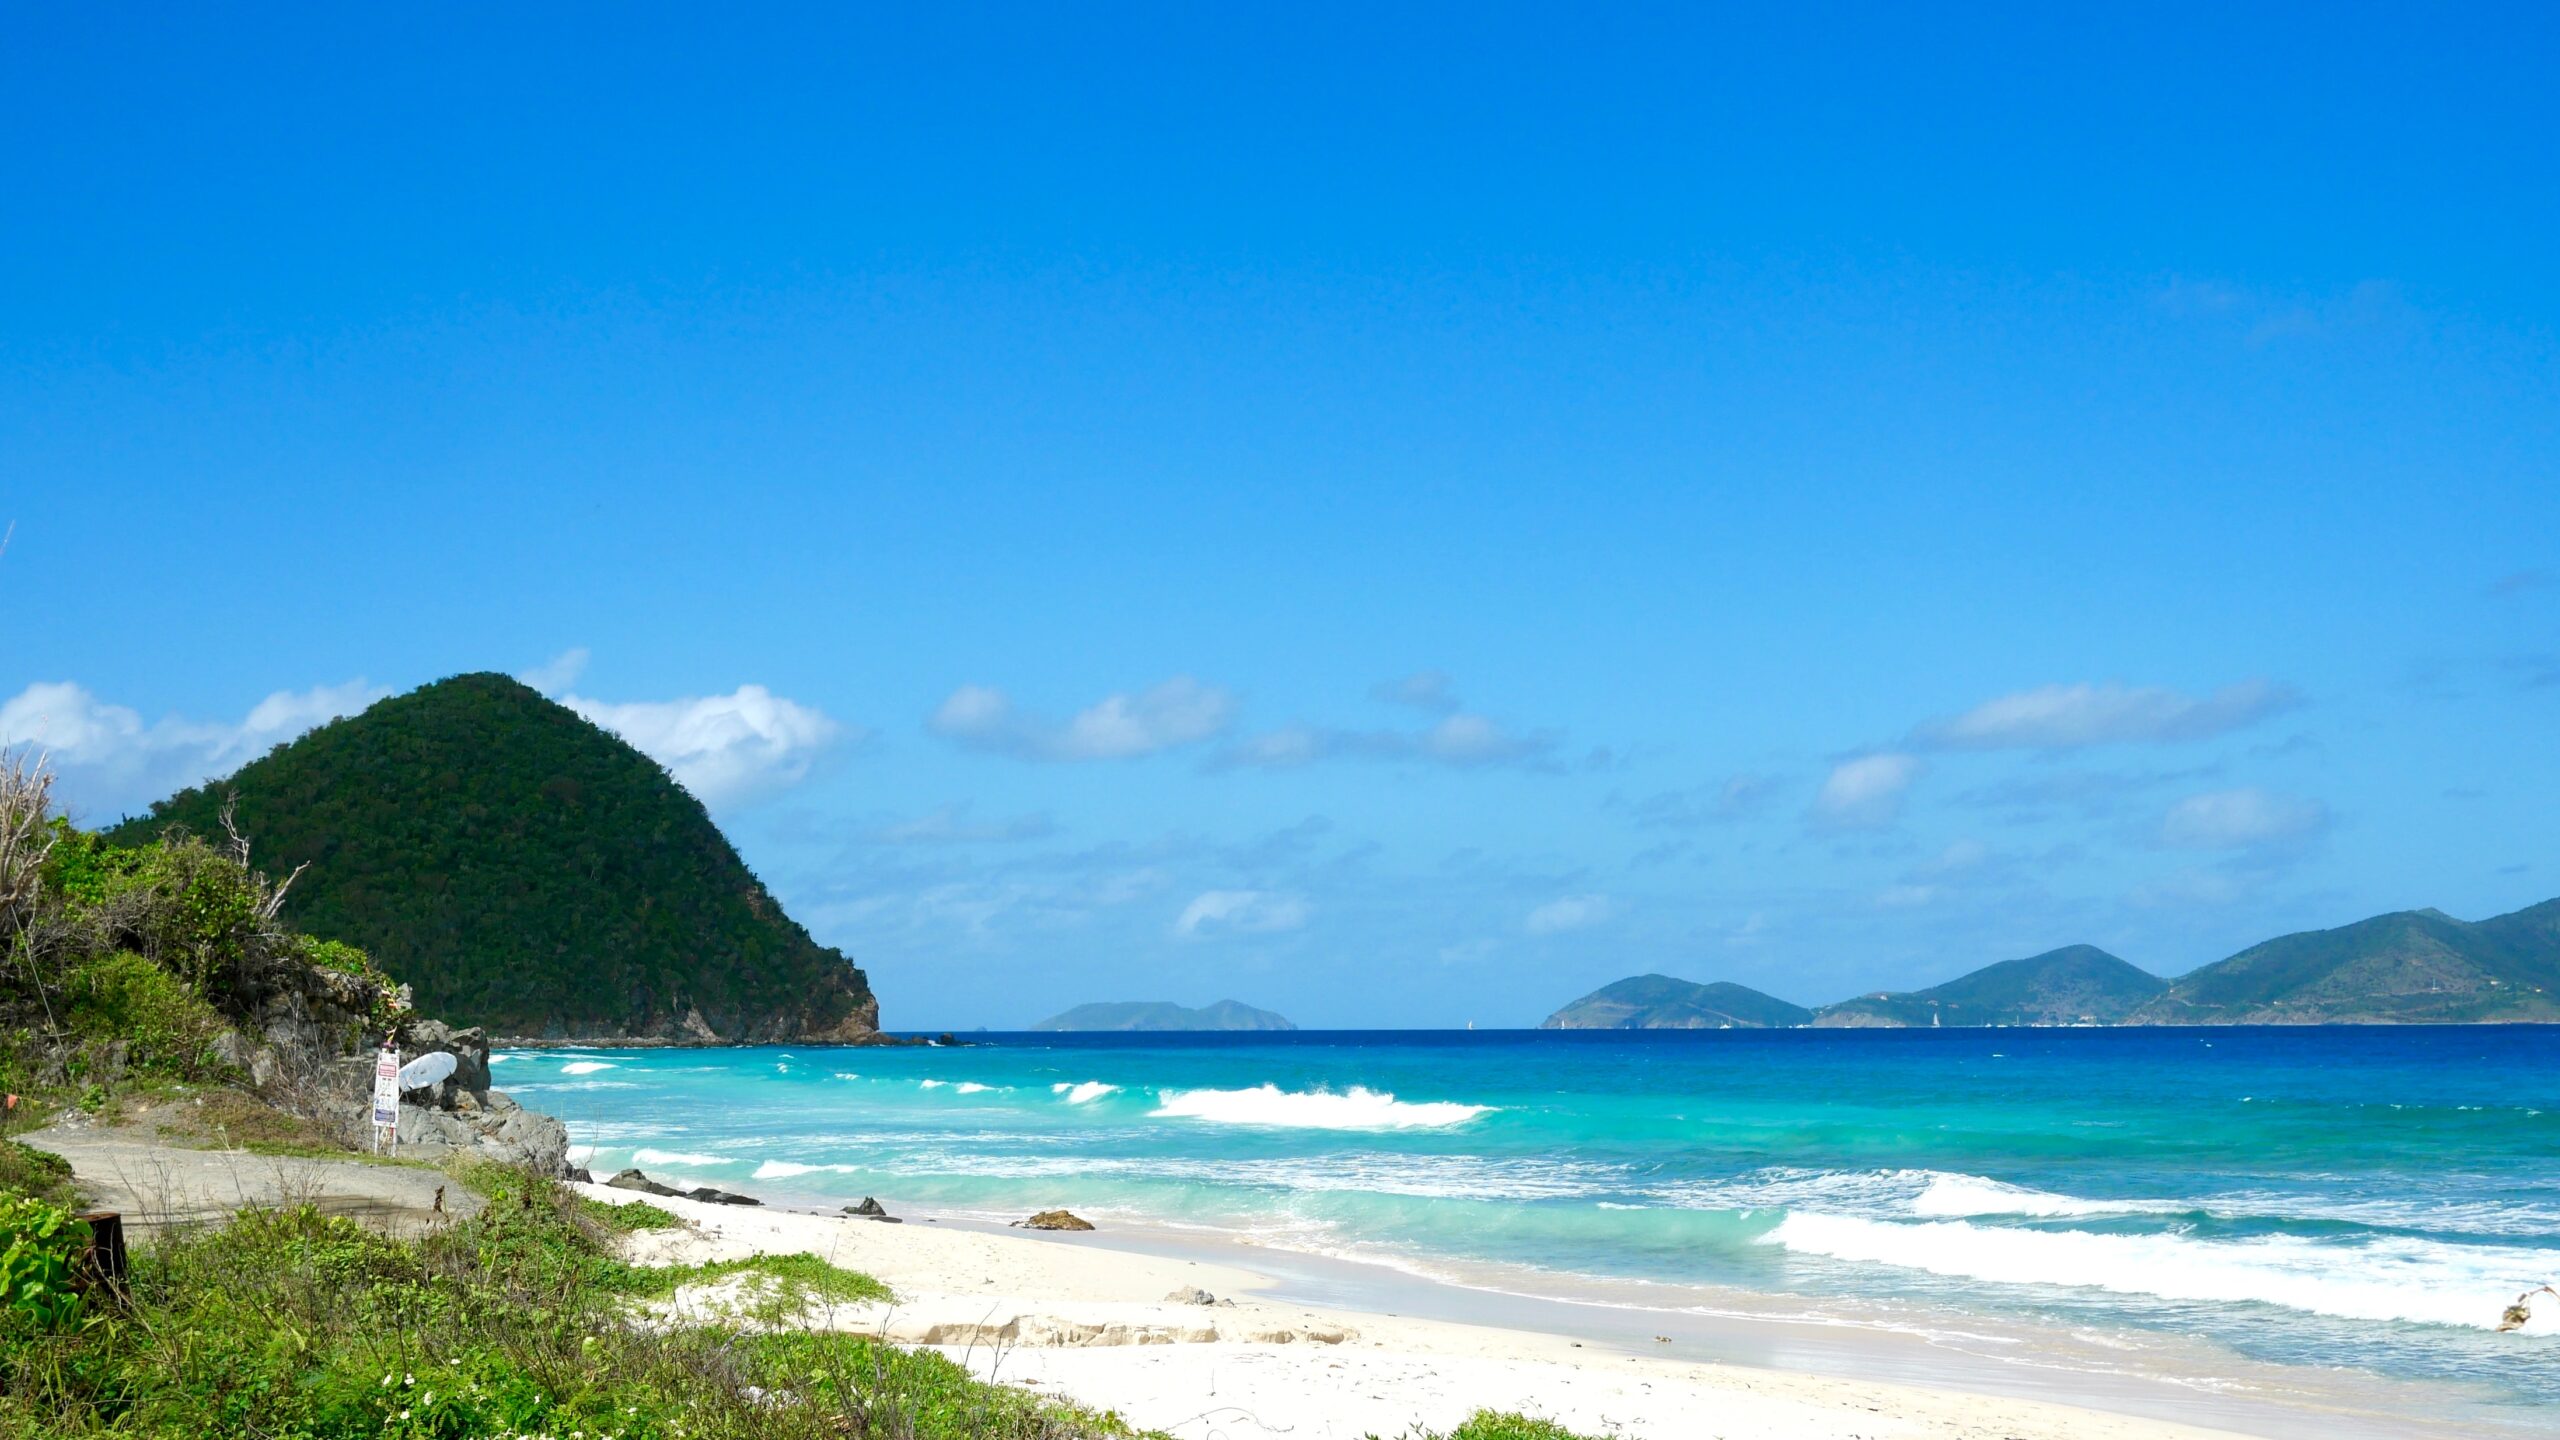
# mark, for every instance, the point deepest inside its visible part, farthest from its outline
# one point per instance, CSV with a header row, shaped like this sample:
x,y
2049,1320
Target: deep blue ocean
x,y
2360,1197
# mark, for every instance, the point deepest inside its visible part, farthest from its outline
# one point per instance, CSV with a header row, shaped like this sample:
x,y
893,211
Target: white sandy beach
x,y
1071,1316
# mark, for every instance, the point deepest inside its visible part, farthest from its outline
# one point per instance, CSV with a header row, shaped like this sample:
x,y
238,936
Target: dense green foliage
x,y
523,869
1660,1002
2077,984
1165,1015
128,963
39,1241
2410,966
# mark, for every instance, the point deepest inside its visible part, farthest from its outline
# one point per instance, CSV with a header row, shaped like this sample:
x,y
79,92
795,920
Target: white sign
x,y
386,1089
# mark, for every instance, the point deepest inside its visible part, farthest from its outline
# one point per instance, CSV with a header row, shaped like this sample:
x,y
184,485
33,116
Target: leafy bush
x,y
41,1174
167,1029
38,1244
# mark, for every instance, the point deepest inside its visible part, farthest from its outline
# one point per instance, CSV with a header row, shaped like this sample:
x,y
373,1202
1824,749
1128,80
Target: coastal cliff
x,y
527,871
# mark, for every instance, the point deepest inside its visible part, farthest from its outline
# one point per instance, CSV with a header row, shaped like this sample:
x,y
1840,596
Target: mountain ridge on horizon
x,y
1164,1015
2401,967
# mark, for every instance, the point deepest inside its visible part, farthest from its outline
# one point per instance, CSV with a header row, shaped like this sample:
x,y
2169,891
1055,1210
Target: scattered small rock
x,y
870,1209
1054,1220
720,1197
1194,1295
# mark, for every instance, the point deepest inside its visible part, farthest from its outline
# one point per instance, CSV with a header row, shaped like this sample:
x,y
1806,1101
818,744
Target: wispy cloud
x,y
955,825
1423,690
1865,793
110,757
728,749
1570,912
2070,717
2507,587
2240,819
555,675
1735,797
1180,711
1462,741
1239,912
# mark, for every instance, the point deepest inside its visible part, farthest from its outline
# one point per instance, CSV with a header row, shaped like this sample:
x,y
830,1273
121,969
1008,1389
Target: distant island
x,y
2408,967
1165,1015
525,870
1659,1002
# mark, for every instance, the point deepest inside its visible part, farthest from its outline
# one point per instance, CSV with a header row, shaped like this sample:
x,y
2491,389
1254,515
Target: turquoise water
x,y
2369,1198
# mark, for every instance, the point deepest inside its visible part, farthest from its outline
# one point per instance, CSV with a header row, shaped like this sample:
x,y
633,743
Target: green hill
x,y
1660,1002
2408,967
1164,1015
2075,985
525,870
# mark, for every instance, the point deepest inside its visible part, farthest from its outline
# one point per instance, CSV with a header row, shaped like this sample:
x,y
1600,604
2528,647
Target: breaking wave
x,y
1085,1093
585,1067
2390,1278
1357,1108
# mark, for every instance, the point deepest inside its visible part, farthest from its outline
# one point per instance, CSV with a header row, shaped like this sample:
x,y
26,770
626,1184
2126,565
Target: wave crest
x,y
1085,1093
2393,1279
1358,1108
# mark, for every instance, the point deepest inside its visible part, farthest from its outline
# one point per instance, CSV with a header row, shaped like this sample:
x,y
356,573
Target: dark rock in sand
x,y
870,1209
1053,1220
634,1180
720,1197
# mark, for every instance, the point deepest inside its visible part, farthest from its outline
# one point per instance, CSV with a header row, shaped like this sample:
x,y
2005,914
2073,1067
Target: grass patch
x,y
517,1322
1492,1425
25,1170
630,1216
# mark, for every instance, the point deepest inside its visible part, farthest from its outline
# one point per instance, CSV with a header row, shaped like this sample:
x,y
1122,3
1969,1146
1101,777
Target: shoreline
x,y
1311,1345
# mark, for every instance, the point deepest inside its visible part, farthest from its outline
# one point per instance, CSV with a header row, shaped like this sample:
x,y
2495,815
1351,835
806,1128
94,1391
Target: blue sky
x,y
1399,515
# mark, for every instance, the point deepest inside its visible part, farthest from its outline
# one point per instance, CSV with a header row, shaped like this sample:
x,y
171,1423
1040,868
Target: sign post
x,y
386,1100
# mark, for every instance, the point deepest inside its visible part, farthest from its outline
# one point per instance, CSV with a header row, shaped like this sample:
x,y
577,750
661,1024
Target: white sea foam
x,y
675,1157
2388,1279
933,1084
1085,1093
585,1067
1955,1196
785,1169
1357,1108
972,1087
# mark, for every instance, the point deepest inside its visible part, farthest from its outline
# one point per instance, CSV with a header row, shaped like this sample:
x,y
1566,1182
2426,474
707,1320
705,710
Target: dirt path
x,y
156,1184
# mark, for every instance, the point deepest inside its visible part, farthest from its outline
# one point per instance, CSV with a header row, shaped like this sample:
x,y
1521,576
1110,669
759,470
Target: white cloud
x,y
558,673
110,757
1905,897
1239,912
2069,717
2237,819
1423,690
1571,912
1461,741
1179,712
1866,792
726,749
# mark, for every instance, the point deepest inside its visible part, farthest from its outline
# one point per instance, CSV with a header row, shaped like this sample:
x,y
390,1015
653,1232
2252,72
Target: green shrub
x,y
38,1243
167,1029
40,1174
